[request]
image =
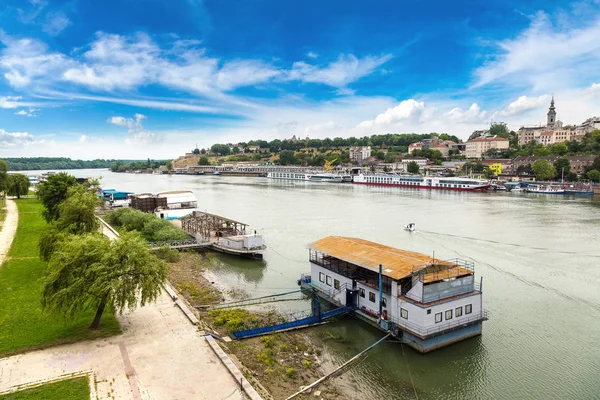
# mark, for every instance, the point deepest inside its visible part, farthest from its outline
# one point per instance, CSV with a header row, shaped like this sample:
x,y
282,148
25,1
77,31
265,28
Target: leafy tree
x,y
562,166
3,176
203,151
571,176
203,161
478,167
18,185
196,151
412,167
524,170
543,170
500,130
221,149
236,150
52,192
77,215
170,165
390,157
90,271
380,155
593,175
286,157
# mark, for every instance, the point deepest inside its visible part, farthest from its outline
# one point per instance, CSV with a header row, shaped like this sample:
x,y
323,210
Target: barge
x,y
424,302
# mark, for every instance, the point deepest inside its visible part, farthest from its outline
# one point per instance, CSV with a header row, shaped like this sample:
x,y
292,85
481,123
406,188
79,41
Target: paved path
x,y
159,356
9,228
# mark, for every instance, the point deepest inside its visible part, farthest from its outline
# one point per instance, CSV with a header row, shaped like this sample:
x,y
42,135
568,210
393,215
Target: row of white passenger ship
x,y
410,181
310,177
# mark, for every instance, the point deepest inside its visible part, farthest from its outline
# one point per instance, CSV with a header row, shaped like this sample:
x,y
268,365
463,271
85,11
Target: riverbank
x,y
281,363
24,325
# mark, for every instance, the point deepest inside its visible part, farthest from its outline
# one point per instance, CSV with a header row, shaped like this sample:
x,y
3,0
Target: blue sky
x,y
151,78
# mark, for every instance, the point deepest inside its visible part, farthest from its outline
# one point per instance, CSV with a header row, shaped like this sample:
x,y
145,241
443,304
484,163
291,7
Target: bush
x,y
233,319
152,228
291,373
167,254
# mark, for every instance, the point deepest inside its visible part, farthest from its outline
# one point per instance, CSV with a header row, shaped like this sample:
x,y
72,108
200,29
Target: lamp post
x,y
563,175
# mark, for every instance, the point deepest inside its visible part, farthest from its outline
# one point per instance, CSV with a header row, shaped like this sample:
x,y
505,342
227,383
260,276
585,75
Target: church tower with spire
x,y
552,115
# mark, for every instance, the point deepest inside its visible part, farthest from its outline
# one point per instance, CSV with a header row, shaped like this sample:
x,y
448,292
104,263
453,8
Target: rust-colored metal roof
x,y
396,263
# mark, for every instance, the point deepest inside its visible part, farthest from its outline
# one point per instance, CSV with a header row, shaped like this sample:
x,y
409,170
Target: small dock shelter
x,y
424,302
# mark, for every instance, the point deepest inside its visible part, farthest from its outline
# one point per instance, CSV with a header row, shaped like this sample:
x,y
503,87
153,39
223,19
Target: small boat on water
x,y
498,187
545,189
516,189
410,227
216,173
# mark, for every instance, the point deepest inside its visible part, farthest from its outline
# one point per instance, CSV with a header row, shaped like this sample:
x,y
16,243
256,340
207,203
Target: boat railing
x,y
430,298
440,327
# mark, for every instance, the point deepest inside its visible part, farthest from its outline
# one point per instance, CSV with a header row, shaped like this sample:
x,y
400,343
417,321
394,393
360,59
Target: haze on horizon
x,y
138,79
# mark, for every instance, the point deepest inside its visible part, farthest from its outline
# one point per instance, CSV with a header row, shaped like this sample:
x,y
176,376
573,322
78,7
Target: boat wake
x,y
515,276
512,244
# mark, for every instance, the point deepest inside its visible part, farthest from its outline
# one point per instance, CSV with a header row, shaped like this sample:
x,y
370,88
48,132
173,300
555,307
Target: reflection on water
x,y
538,256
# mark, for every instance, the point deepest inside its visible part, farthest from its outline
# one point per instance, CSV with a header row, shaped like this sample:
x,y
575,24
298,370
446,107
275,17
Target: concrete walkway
x,y
159,356
9,228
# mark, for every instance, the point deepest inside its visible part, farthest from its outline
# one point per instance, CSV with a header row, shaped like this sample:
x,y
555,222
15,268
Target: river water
x,y
539,257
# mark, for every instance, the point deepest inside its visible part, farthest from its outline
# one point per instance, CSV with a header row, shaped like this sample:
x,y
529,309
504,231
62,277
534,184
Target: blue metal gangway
x,y
296,323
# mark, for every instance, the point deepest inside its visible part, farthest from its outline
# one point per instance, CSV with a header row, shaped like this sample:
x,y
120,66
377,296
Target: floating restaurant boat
x,y
424,302
545,189
179,204
316,177
427,182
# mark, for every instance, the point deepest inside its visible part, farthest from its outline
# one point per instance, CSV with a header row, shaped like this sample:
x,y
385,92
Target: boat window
x,y
448,315
438,317
362,292
404,313
372,297
458,312
429,311
383,302
336,284
321,277
468,309
328,280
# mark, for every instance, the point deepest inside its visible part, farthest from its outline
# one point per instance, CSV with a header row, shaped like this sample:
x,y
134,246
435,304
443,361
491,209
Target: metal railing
x,y
178,243
466,289
440,327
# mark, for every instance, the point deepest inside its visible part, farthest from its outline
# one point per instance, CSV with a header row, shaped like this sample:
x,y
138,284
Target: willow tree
x,y
90,272
53,191
76,216
18,185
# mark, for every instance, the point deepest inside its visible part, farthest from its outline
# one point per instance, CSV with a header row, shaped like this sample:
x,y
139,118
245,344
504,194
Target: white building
x,y
359,154
426,303
588,125
476,148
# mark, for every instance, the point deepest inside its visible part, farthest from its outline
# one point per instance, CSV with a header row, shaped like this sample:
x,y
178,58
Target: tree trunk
x,y
99,312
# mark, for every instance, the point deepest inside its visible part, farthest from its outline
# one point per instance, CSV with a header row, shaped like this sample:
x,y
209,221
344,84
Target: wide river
x,y
539,256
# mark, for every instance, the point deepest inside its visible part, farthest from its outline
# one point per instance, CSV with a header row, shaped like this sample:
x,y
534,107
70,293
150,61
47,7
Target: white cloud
x,y
524,104
345,70
595,88
9,101
16,139
55,23
83,138
473,114
25,60
407,111
134,126
312,54
545,56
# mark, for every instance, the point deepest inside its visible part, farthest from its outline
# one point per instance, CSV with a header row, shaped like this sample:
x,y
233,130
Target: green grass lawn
x,y
69,389
23,325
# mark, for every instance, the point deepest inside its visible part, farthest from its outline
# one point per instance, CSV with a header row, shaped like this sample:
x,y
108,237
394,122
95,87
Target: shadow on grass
x,y
23,325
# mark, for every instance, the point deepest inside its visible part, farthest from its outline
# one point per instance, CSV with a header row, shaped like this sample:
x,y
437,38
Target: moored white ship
x,y
316,177
179,204
424,182
545,189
